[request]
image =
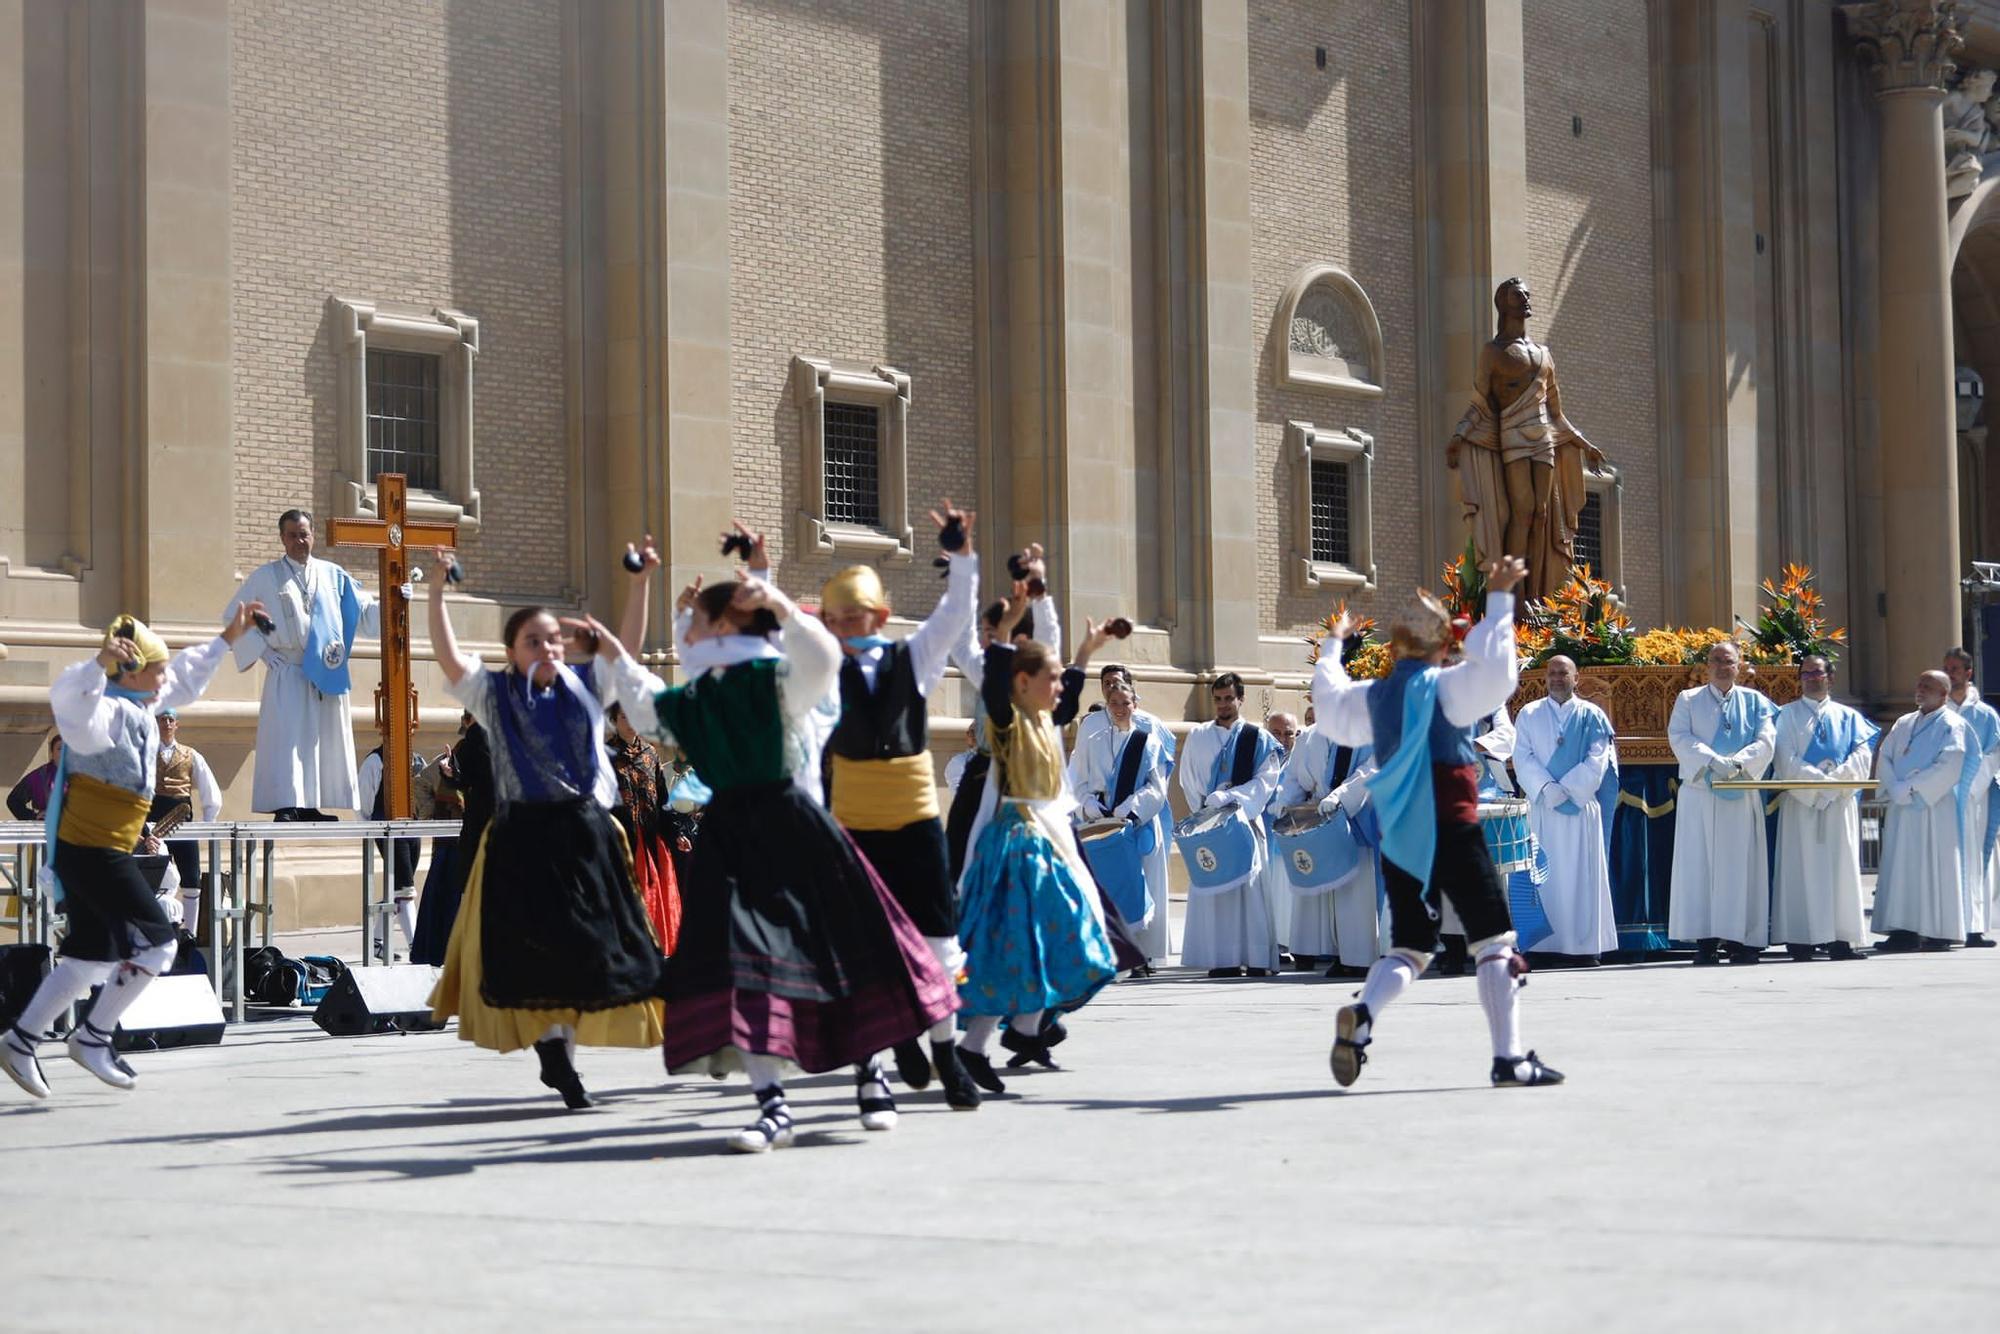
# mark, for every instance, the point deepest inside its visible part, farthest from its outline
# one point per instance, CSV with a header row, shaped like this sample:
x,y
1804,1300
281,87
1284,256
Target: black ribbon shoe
x,y
912,1065
975,1064
871,1095
1028,1049
1349,1052
560,1075
961,1094
1504,1075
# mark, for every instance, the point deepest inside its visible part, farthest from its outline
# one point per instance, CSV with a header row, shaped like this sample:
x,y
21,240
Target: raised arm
x,y
931,643
997,690
638,589
1340,704
444,644
1486,679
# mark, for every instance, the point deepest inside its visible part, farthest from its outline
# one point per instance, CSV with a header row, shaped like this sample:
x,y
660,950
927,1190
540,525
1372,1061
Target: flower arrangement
x,y
1465,585
1583,621
1363,638
1792,625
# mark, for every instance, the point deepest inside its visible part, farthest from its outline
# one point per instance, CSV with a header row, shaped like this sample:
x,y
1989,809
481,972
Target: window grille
x,y
402,394
853,453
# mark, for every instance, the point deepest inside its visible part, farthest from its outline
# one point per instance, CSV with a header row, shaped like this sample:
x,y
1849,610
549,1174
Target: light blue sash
x,y
1401,788
329,643
1743,713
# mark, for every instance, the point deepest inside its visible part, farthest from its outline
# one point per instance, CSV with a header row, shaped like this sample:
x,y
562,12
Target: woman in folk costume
x,y
1031,920
119,937
1425,791
551,948
642,792
470,779
791,950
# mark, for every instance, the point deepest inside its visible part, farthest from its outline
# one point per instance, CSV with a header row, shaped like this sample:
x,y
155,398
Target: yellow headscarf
x,y
855,586
152,648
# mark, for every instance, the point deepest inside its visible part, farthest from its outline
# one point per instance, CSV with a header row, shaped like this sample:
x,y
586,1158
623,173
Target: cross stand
x,y
395,698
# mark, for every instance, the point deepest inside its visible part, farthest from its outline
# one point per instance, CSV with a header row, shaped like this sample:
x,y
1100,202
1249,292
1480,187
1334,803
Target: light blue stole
x,y
1927,737
325,667
1743,713
1401,789
1836,733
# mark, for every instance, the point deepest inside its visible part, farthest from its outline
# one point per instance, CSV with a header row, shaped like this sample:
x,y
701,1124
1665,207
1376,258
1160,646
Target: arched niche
x,y
1327,336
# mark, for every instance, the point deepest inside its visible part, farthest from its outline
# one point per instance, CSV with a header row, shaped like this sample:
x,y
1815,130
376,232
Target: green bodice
x,y
730,725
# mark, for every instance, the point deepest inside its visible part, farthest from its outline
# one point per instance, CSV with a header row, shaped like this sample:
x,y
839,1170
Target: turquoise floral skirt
x,y
1031,939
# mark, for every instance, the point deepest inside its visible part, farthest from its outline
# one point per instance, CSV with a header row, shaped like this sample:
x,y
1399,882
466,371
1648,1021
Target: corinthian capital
x,y
1908,44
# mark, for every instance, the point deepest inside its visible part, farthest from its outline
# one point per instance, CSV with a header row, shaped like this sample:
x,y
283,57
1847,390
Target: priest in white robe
x,y
1566,759
1721,887
1337,917
1119,770
1918,902
305,735
1976,797
1231,762
1816,890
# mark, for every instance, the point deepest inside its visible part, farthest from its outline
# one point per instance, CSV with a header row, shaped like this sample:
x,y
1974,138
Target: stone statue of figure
x,y
1968,135
1518,462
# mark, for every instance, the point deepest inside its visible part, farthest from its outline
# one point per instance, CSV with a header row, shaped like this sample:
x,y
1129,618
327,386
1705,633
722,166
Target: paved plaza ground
x,y
1782,1147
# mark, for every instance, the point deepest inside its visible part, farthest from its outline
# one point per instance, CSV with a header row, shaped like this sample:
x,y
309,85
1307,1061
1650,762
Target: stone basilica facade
x,y
1188,290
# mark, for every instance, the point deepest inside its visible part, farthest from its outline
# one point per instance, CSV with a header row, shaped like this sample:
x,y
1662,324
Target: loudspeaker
x,y
396,999
173,1011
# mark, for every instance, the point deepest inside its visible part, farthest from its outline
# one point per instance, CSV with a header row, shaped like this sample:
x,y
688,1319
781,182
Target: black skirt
x,y
560,927
112,912
914,865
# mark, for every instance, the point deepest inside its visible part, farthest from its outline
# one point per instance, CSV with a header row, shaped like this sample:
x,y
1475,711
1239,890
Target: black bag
x,y
266,978
22,968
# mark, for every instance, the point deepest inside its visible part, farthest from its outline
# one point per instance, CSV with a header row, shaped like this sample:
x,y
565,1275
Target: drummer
x,y
1419,719
1336,922
1119,771
1231,762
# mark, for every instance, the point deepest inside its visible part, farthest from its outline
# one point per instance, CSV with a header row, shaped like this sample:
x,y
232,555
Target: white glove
x,y
1329,803
1219,798
1353,795
1092,808
1722,768
1123,811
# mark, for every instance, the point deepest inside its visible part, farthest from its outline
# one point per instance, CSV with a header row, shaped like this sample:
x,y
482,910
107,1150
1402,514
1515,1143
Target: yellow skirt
x,y
457,993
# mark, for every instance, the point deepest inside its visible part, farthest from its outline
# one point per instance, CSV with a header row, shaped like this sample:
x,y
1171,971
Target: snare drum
x,y
1111,847
1217,848
1508,837
1524,903
1319,851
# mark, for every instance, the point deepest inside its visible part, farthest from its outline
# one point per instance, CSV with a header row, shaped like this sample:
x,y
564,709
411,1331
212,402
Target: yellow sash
x,y
884,794
97,814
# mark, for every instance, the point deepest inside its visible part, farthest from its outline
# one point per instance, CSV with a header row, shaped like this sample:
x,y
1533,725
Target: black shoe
x,y
1841,952
1934,945
974,1063
1504,1075
1706,953
876,1105
1053,1033
1306,963
1900,942
1742,954
560,1075
1145,969
1027,1049
1225,972
1800,953
1975,941
1337,969
961,1094
1259,972
912,1065
1588,960
1286,959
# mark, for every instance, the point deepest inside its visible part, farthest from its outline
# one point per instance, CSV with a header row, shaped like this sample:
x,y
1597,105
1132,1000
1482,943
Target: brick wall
x,y
851,238
406,152
1331,162
1590,245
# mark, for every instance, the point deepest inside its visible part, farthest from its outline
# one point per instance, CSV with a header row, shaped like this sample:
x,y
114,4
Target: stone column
x,y
1908,46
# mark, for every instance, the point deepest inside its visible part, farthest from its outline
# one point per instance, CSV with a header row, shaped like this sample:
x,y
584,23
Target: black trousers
x,y
112,911
185,851
1462,871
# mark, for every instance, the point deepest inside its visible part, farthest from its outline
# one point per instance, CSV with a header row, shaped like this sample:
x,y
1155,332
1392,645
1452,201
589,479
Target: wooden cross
x,y
394,537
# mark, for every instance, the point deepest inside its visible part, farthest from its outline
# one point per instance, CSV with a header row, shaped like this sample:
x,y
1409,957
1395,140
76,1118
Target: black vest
x,y
887,723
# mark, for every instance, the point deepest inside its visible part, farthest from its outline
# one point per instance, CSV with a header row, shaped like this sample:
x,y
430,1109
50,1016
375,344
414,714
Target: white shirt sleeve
x,y
1694,754
208,793
189,673
1529,766
1485,680
1045,624
636,689
1340,704
812,657
931,643
83,711
367,782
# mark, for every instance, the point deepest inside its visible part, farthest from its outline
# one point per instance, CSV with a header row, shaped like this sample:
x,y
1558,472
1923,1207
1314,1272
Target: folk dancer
x,y
1119,770
305,737
792,950
29,798
119,937
642,795
1721,873
1816,889
1033,925
1566,756
551,948
1919,900
186,785
1338,920
1231,762
884,790
1977,797
1419,719
469,776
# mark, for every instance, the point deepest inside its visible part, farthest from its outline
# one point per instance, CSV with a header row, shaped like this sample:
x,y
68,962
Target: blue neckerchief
x,y
1742,714
52,817
1837,732
1401,788
862,643
330,643
550,735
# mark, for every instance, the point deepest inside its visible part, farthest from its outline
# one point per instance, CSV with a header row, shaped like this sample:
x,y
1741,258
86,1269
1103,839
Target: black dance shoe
x,y
1028,1049
1504,1075
560,1075
912,1065
975,1064
960,1093
1350,1052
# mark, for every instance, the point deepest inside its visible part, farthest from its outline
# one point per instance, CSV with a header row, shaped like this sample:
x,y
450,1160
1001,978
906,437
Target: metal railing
x,y
1873,815
240,895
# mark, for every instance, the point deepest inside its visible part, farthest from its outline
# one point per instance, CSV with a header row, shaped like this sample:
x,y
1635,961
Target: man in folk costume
x,y
1977,797
884,791
1231,762
371,796
184,789
1721,875
1337,920
1918,900
119,937
1493,738
1419,720
1518,462
1816,891
1565,754
305,737
1119,771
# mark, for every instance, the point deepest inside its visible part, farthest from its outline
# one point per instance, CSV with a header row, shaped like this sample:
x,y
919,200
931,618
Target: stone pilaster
x,y
1908,45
